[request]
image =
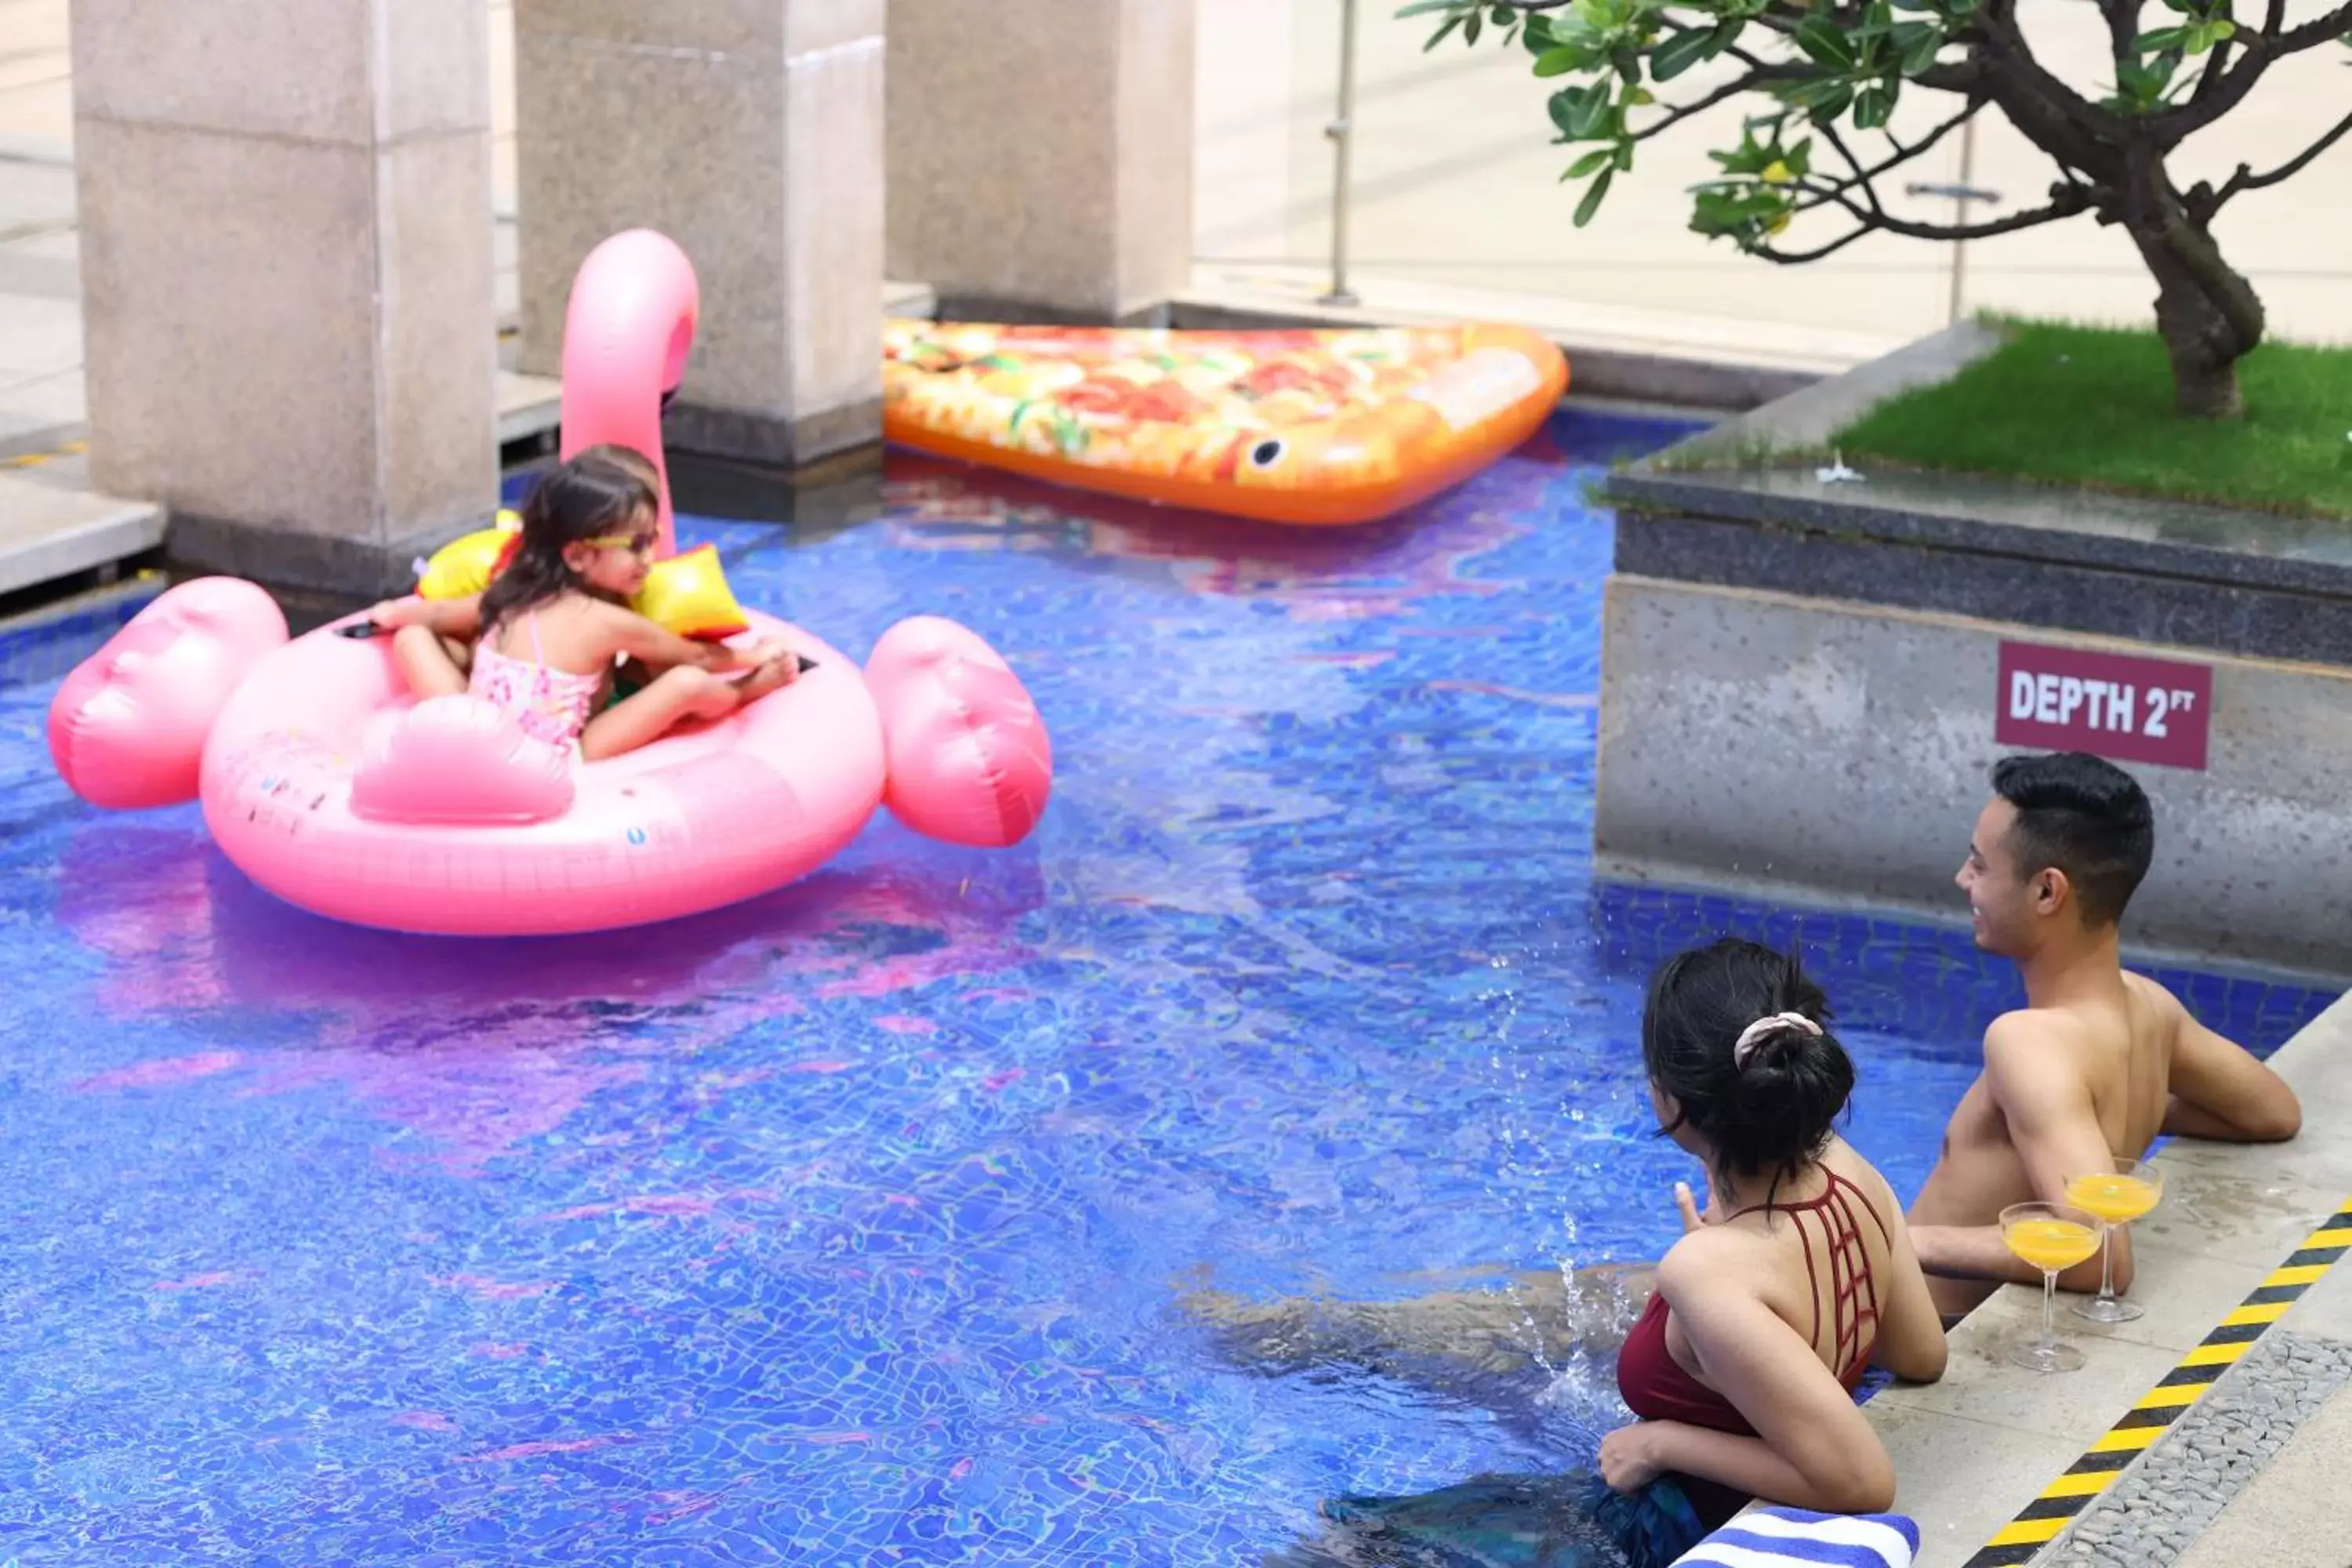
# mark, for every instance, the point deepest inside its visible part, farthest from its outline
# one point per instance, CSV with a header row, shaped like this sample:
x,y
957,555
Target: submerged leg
x,y
1460,1342
1492,1522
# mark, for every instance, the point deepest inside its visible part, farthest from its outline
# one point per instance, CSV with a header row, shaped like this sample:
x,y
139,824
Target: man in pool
x,y
2098,1061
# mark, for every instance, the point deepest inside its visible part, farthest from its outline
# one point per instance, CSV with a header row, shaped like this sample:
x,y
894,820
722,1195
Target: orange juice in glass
x,y
2053,1237
2114,1198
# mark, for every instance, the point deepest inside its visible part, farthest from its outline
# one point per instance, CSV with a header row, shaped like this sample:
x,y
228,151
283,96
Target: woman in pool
x,y
1797,1275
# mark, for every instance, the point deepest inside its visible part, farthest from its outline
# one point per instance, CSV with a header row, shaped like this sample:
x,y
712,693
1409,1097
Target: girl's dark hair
x,y
574,500
628,458
1772,1114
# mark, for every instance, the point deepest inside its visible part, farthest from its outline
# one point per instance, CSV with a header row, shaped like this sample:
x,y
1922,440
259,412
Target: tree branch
x,y
1798,258
1902,153
2265,47
2123,27
2312,34
2039,96
2216,67
1747,82
2065,202
2245,179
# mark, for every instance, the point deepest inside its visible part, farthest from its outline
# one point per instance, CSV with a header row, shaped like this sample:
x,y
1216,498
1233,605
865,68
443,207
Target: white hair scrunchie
x,y
1758,1032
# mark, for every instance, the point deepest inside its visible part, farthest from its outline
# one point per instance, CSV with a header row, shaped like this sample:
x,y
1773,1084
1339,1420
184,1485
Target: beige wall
x,y
1456,183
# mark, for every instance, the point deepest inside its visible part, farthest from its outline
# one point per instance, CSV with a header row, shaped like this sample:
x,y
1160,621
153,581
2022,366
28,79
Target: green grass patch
x,y
2092,408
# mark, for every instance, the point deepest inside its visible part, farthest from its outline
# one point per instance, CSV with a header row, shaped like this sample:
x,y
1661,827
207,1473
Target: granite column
x,y
286,281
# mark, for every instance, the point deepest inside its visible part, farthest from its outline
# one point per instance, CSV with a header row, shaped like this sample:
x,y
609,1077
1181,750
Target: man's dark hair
x,y
2085,816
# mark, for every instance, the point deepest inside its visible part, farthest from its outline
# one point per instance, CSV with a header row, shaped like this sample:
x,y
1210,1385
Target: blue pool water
x,y
846,1226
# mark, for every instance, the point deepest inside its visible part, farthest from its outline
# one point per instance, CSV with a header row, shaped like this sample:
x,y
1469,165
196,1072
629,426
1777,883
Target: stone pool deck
x,y
2003,1467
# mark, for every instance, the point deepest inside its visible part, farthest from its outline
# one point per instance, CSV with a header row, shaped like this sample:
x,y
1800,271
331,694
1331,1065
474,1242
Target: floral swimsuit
x,y
552,705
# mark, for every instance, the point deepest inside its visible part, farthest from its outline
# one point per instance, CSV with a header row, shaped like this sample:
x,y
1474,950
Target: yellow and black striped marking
x,y
2159,1407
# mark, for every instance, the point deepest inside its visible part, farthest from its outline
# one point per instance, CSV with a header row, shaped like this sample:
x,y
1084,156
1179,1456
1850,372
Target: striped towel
x,y
1792,1538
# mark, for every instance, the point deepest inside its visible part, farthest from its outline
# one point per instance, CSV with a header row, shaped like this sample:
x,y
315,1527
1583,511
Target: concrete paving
x,y
47,533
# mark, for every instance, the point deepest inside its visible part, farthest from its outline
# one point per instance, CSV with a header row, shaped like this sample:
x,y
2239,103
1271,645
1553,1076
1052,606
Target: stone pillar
x,y
751,133
1041,155
288,296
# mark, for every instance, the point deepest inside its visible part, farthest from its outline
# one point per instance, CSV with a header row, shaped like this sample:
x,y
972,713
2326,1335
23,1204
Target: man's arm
x,y
2220,1091
2054,1127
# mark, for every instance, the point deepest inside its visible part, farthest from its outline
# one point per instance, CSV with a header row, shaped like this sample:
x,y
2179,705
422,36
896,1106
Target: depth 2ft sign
x,y
2110,705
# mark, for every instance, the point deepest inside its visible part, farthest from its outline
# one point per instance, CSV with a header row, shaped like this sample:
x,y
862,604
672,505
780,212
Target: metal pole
x,y
1960,215
1962,192
1342,131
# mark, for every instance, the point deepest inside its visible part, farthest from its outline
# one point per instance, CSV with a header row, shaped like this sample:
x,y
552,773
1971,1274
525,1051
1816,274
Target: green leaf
x,y
1439,36
1830,99
1470,28
1424,7
2160,40
1559,62
1825,42
1917,43
1563,110
2205,35
1681,52
1593,194
1874,106
1589,164
1812,93
1588,108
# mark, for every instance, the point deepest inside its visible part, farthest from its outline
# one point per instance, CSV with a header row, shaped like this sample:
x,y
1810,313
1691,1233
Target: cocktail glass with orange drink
x,y
2053,1237
2116,1198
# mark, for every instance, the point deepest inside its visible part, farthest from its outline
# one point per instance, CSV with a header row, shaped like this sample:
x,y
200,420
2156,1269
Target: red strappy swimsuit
x,y
1656,1388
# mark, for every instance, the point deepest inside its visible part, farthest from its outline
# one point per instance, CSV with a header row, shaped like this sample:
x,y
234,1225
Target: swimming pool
x,y
846,1226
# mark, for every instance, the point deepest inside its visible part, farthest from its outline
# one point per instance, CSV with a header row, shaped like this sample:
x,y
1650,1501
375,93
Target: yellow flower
x,y
1777,172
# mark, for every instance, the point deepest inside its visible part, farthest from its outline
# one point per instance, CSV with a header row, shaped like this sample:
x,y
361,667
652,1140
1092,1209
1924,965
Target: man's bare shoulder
x,y
2024,1031
2037,1052
2162,1005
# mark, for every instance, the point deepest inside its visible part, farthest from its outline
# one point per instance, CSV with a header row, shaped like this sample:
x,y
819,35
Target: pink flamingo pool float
x,y
328,785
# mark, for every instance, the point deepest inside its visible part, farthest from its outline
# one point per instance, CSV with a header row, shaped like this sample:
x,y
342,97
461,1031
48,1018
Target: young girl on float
x,y
553,635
